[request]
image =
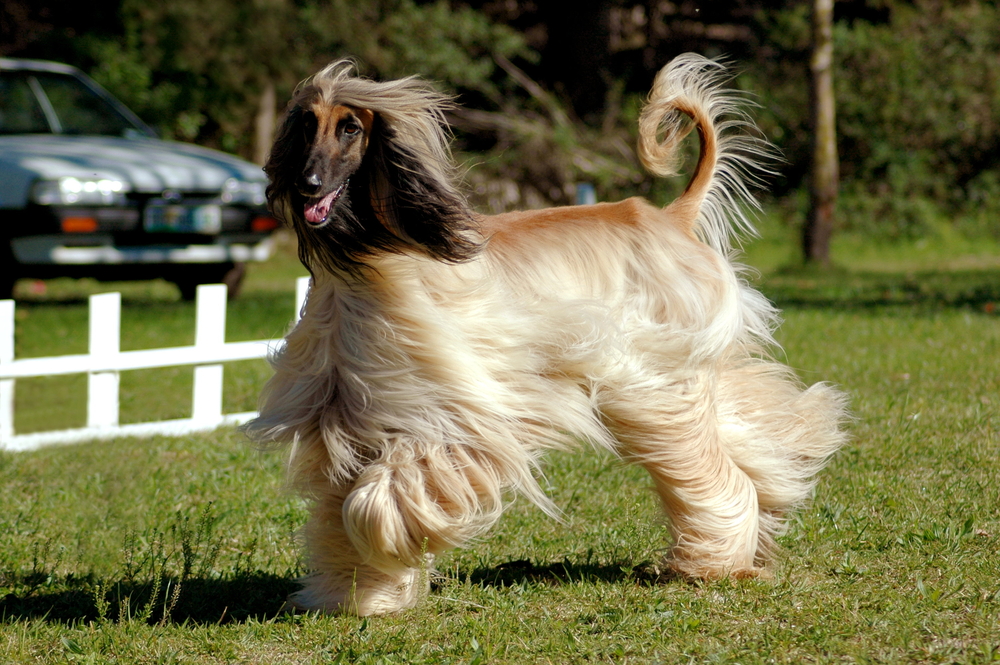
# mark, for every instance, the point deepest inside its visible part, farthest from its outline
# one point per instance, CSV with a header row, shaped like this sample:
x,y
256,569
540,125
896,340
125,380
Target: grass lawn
x,y
182,550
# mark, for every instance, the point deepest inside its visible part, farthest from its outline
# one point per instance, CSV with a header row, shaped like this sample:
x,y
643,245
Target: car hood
x,y
145,164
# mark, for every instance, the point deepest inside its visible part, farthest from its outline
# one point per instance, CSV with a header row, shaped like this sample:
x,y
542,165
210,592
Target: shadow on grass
x,y
254,596
200,601
802,287
523,571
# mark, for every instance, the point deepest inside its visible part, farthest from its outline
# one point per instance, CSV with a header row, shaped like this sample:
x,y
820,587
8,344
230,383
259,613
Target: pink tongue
x,y
317,212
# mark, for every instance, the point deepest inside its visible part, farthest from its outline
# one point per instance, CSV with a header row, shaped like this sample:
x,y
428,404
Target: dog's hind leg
x,y
672,431
341,581
780,435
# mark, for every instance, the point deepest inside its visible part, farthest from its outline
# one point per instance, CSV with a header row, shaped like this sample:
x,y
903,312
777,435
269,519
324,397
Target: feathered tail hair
x,y
717,199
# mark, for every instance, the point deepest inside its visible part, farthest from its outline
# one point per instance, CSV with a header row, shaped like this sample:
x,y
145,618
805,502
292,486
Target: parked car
x,y
88,190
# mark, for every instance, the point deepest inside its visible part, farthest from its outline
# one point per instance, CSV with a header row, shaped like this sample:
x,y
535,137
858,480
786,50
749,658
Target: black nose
x,y
310,184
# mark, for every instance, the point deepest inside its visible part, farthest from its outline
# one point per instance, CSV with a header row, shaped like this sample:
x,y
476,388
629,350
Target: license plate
x,y
183,219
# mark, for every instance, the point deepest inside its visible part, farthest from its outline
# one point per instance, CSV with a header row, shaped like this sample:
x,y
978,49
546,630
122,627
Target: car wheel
x,y
8,275
7,286
230,274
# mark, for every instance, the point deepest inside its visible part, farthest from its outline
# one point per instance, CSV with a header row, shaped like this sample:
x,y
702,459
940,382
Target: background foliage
x,y
551,96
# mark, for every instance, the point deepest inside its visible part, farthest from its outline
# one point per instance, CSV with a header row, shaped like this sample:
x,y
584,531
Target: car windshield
x,y
36,102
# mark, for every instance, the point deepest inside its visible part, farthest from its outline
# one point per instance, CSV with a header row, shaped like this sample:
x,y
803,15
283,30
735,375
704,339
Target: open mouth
x,y
318,211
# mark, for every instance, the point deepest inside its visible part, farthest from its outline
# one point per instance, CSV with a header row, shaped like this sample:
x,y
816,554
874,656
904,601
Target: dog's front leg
x,y
342,580
371,541
418,501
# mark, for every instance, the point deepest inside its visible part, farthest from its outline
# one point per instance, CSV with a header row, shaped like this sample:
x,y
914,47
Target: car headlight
x,y
242,191
79,191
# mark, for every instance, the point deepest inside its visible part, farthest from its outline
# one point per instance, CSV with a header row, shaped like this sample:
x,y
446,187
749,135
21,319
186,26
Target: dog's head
x,y
335,140
361,167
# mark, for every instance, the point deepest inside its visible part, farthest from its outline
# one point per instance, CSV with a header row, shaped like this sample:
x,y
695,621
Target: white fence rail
x,y
105,361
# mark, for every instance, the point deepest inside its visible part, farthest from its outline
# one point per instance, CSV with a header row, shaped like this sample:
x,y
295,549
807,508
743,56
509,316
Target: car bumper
x,y
101,250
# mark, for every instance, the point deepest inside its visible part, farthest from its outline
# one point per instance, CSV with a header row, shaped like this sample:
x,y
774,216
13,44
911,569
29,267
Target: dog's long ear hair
x,y
403,196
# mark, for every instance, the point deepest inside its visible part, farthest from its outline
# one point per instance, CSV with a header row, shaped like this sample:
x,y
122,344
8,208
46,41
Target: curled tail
x,y
715,203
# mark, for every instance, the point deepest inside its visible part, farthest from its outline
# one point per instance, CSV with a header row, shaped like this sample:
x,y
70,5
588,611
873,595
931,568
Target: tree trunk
x,y
825,168
264,136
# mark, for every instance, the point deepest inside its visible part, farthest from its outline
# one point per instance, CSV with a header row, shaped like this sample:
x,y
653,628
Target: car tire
x,y
230,274
7,286
8,274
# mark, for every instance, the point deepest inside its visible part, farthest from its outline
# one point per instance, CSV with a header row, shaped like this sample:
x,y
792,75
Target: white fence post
x,y
301,291
6,385
105,342
210,333
105,361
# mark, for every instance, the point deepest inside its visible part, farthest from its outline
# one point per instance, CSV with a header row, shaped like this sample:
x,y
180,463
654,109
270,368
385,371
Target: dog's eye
x,y
350,128
309,123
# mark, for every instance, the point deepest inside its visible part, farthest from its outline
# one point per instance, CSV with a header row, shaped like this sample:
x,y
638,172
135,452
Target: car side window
x,y
79,109
20,112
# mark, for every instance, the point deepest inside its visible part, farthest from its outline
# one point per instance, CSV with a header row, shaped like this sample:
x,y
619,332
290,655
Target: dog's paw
x,y
700,570
357,595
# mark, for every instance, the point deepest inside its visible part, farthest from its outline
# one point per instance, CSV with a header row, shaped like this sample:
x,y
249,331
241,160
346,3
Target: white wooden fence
x,y
105,361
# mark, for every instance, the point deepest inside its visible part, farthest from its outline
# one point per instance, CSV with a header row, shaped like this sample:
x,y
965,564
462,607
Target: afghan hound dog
x,y
441,352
